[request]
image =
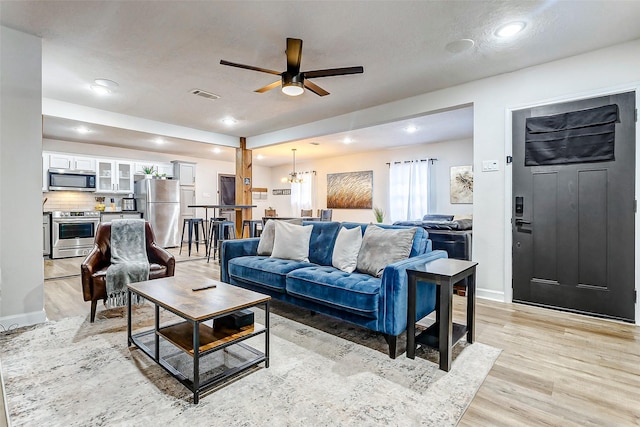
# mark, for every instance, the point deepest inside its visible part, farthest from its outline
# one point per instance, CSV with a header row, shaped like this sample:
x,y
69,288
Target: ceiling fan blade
x,y
315,88
332,72
269,87
294,55
249,67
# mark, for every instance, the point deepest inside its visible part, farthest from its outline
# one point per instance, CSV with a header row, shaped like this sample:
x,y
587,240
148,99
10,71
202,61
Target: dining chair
x,y
306,212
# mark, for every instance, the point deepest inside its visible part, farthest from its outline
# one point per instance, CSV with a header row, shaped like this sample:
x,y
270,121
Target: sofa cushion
x,y
382,247
346,249
291,241
353,292
420,244
265,271
323,238
265,246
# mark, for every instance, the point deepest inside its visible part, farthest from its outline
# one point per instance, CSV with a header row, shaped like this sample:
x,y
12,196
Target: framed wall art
x,y
350,190
461,190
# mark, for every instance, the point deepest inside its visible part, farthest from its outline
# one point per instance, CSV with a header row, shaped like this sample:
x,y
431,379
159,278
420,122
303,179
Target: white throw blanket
x,y
129,263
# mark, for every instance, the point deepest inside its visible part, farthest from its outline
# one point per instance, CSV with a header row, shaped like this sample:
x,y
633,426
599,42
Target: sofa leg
x,y
94,303
392,340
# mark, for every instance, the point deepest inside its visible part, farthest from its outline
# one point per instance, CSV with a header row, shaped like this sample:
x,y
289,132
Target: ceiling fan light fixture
x,y
293,89
292,85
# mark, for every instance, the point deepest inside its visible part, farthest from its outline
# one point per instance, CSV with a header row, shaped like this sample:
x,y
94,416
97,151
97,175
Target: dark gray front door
x,y
573,224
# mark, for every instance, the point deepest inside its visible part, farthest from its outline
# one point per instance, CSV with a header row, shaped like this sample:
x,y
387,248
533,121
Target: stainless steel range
x,y
73,233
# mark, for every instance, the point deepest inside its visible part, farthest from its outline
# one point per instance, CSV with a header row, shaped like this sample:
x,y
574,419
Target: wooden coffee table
x,y
192,336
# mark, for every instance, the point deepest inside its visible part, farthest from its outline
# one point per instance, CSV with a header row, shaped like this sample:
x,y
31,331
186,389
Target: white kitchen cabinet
x,y
165,168
185,172
114,176
66,161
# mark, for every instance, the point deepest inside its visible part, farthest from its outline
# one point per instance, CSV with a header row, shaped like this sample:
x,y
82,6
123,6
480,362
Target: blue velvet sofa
x,y
379,304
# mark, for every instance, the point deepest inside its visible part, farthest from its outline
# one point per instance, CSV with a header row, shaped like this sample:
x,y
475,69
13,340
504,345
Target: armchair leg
x,y
94,303
392,340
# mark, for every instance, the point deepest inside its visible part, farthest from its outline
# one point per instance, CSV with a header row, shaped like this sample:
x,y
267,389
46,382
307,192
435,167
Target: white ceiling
x,y
158,51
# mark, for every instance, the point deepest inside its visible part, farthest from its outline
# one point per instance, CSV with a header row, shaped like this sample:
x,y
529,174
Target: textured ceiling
x,y
158,51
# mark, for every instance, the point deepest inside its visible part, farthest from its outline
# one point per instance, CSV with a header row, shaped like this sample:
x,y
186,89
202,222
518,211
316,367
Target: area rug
x,y
74,373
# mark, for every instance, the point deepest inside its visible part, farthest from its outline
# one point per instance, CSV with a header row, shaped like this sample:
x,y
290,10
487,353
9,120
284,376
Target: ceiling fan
x,y
293,81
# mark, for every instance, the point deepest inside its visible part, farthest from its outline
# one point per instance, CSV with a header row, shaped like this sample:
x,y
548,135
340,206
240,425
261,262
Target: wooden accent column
x,y
243,190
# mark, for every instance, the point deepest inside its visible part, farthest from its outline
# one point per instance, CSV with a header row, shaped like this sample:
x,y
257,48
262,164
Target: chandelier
x,y
293,176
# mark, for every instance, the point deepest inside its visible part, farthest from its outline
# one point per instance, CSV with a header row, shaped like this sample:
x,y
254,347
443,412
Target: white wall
x,y
21,266
206,171
448,153
581,75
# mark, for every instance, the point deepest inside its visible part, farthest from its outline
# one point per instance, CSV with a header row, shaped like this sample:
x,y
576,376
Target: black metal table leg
x,y
157,338
196,362
266,335
129,340
411,317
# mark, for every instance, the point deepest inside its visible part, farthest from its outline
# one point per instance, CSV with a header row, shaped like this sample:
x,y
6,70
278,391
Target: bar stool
x,y
220,229
192,224
254,225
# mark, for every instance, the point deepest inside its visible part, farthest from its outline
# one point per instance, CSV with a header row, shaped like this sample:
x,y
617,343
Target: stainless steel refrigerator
x,y
159,202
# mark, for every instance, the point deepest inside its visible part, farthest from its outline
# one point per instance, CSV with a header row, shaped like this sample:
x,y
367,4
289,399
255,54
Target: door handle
x,y
521,222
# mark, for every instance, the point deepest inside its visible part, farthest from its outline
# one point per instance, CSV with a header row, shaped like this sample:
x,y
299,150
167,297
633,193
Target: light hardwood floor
x,y
556,368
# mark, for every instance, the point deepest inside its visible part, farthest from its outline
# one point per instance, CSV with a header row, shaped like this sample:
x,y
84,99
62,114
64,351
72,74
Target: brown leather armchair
x,y
94,267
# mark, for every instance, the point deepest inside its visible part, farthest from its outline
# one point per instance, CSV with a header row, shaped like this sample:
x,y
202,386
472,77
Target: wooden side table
x,y
443,334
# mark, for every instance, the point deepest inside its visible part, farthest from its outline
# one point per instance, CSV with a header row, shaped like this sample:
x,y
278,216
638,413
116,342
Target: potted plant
x,y
148,171
379,214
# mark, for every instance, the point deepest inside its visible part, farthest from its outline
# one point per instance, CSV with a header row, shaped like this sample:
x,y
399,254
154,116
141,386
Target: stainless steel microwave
x,y
72,180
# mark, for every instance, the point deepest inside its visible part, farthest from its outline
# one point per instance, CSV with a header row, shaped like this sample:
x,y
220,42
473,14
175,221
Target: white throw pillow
x,y
265,245
291,241
346,248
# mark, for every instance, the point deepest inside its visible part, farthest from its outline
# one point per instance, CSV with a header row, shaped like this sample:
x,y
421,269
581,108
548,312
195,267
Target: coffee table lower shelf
x,y
180,335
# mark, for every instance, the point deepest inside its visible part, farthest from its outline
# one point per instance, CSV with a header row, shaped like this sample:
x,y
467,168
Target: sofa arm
x,y
233,249
394,287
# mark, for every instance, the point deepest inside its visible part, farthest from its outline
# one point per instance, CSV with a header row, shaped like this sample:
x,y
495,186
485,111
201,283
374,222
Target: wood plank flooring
x,y
556,368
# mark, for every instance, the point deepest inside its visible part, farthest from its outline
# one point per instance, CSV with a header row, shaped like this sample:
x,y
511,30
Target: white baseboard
x,y
490,294
25,319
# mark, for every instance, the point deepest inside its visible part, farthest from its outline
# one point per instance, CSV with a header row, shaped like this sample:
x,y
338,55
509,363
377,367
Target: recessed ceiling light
x,y
103,86
411,129
217,150
229,121
100,90
260,157
82,129
510,29
106,83
459,45
347,140
159,141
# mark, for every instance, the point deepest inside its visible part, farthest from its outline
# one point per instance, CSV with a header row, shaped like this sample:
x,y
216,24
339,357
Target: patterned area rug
x,y
322,372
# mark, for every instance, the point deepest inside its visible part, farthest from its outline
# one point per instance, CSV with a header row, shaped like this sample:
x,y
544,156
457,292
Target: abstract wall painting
x,y
350,190
461,190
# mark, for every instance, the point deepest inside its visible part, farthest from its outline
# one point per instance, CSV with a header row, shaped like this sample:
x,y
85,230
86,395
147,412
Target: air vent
x,y
204,94
314,143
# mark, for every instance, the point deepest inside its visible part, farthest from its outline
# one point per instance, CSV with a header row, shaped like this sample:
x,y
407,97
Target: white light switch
x,y
489,165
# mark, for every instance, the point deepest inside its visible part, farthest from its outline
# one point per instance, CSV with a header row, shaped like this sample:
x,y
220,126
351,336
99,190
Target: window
x,y
302,193
408,190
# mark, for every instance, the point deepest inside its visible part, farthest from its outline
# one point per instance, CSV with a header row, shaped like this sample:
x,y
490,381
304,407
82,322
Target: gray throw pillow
x,y
381,247
265,246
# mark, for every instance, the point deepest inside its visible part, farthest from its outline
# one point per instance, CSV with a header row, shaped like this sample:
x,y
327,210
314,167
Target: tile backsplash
x,y
73,201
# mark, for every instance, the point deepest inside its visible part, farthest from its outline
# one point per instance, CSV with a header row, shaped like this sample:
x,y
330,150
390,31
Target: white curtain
x,y
302,194
408,190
